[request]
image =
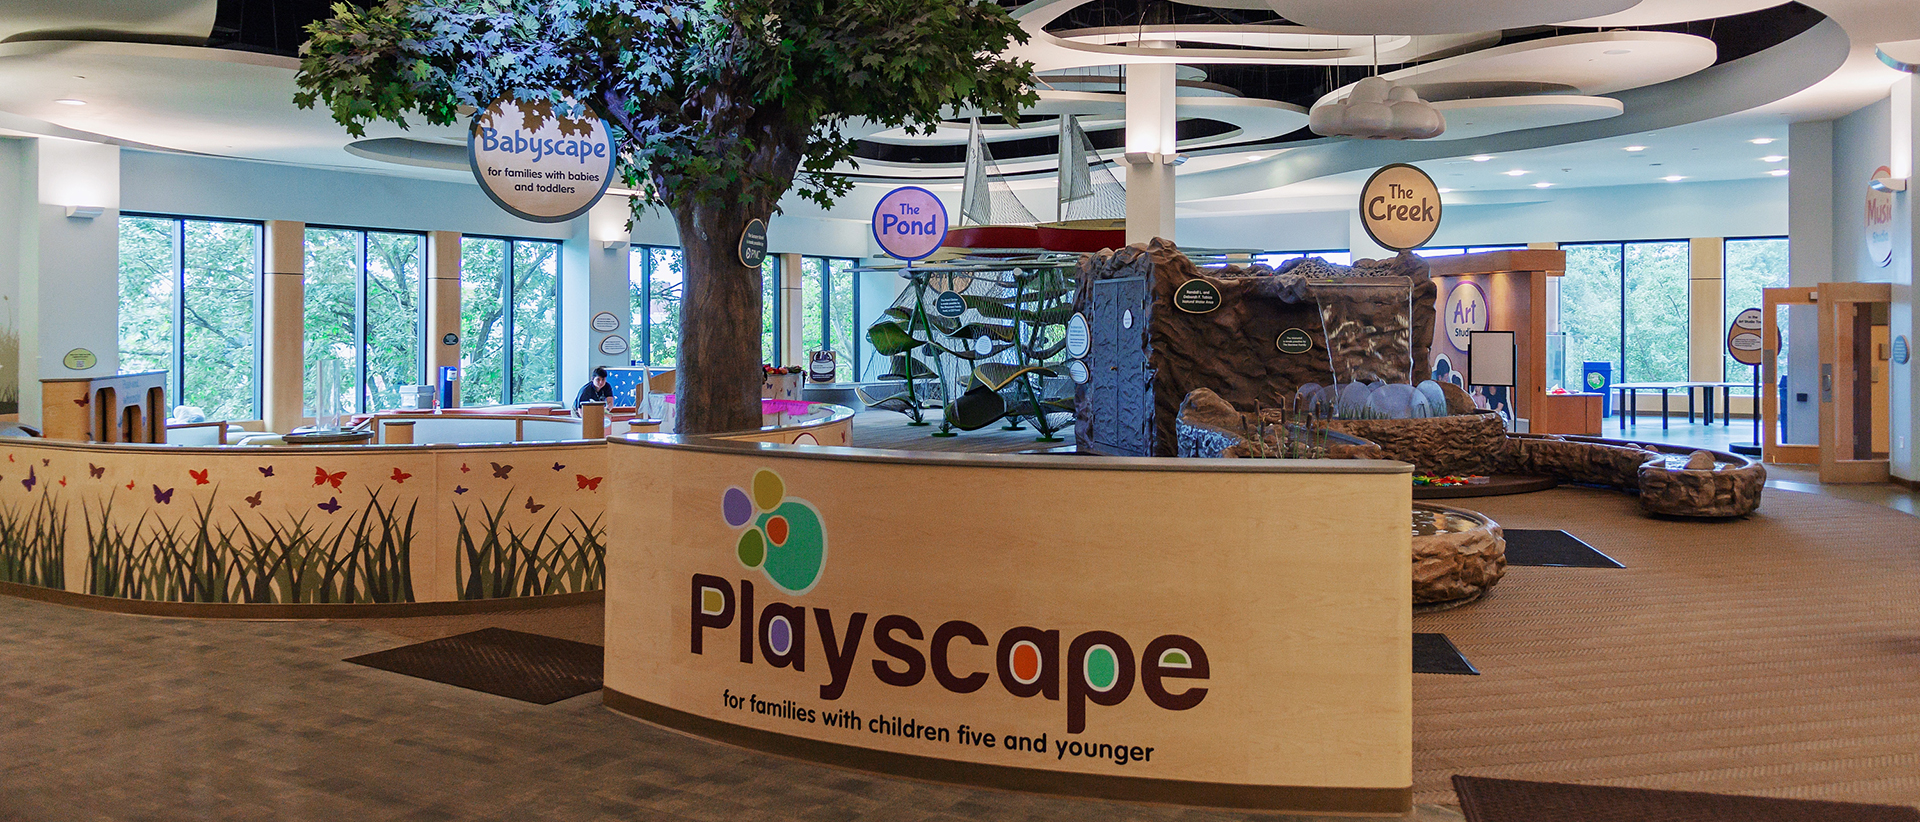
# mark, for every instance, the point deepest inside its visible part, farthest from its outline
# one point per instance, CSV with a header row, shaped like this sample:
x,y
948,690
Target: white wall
x,y
1862,142
68,267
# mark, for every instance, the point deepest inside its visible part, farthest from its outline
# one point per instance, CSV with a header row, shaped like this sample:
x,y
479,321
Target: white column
x,y
1151,150
1810,250
69,266
793,332
1904,424
594,282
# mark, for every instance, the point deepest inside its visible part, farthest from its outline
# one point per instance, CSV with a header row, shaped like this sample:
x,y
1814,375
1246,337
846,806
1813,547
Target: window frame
x,y
826,308
1620,276
176,371
507,326
421,315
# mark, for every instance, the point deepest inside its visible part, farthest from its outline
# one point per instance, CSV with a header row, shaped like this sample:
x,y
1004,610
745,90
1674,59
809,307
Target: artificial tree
x,y
718,109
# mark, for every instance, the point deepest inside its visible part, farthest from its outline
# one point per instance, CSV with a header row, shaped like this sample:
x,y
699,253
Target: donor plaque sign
x,y
538,166
1400,207
909,223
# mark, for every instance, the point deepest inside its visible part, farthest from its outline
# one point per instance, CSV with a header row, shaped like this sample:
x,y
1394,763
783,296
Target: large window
x,y
1626,303
509,306
1753,265
1273,259
829,304
656,277
366,309
189,305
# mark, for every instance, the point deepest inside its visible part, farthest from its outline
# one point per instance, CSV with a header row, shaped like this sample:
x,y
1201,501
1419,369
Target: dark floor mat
x,y
1435,654
1559,549
1510,800
527,667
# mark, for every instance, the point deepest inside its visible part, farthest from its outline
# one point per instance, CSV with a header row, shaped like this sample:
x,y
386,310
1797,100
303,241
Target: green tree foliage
x,y
1751,266
719,109
483,321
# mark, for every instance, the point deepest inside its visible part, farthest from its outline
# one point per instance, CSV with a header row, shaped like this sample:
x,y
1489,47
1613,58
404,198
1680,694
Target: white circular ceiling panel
x,y
207,101
1497,115
1593,63
1663,12
1437,16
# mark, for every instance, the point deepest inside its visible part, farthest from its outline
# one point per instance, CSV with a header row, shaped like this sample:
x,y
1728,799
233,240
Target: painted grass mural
x,y
363,558
33,542
292,526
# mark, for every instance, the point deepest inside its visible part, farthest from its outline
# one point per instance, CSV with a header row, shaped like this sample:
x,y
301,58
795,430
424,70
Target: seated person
x,y
596,390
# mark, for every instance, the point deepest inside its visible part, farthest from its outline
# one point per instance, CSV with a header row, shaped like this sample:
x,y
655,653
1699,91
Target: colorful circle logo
x,y
783,537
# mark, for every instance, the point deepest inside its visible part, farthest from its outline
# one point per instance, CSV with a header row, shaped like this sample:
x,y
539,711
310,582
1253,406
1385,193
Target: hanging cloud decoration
x,y
1378,109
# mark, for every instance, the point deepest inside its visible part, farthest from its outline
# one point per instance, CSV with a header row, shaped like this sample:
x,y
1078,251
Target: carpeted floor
x,y
1776,656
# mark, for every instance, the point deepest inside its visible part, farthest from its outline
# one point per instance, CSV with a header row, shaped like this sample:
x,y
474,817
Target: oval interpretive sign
x,y
753,243
539,166
1400,207
605,321
1901,351
909,223
1196,296
613,345
1294,341
1077,371
949,304
80,359
1743,337
1077,335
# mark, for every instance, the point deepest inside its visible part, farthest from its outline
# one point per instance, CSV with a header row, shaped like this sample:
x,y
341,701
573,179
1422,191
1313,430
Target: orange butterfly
x,y
589,483
254,501
321,477
63,482
400,476
199,477
129,485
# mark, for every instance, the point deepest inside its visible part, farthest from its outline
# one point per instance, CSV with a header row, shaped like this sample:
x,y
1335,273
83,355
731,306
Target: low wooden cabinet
x,y
1568,414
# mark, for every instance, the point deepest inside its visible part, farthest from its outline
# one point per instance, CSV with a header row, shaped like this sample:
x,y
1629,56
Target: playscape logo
x,y
786,540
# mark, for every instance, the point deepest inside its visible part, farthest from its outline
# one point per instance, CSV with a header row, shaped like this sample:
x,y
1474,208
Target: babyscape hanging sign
x,y
539,166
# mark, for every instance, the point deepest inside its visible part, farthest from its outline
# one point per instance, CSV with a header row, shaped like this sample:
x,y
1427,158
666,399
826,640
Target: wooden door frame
x,y
1836,349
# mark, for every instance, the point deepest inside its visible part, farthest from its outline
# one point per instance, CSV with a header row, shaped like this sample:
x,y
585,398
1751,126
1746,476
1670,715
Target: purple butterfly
x,y
266,471
162,497
30,480
331,505
459,490
559,467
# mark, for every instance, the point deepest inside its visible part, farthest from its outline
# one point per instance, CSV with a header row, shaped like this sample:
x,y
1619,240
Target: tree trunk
x,y
717,380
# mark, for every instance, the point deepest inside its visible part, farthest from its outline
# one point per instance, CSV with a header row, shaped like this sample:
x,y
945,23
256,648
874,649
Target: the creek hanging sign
x,y
536,165
1400,207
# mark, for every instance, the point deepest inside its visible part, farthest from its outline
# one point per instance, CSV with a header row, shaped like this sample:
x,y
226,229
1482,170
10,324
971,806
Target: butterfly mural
x,y
129,485
400,476
199,477
464,468
459,489
500,471
63,482
162,497
265,470
97,471
532,507
30,480
82,402
559,467
45,461
589,483
321,477
254,501
331,505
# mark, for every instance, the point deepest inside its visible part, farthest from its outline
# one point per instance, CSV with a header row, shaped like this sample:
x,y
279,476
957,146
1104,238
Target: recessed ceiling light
x,y
1773,158
1673,178
1761,141
1617,51
1481,158
1542,185
69,101
1514,173
1778,172
1254,158
1636,148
